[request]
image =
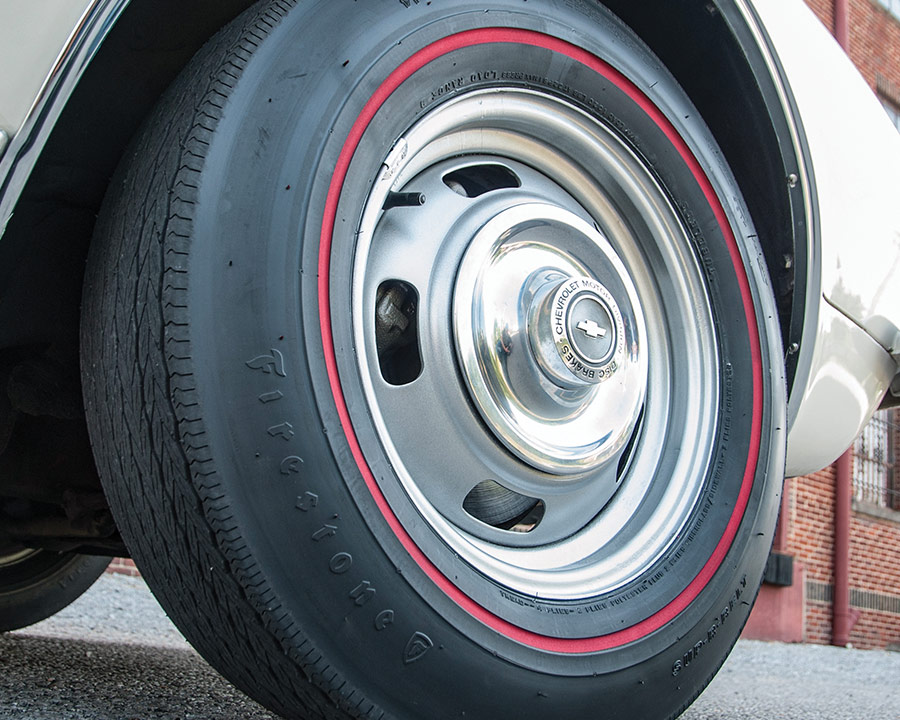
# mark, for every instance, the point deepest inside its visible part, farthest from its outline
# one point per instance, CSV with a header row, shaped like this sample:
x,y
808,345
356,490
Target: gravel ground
x,y
113,655
774,681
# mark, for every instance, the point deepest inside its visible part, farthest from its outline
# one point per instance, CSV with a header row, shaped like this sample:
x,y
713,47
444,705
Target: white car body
x,y
34,57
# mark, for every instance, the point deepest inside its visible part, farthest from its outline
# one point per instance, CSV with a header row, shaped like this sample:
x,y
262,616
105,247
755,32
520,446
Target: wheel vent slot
x,y
477,180
628,452
397,332
502,508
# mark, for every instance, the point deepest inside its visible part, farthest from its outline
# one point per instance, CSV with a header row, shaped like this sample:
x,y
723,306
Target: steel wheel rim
x,y
620,523
14,557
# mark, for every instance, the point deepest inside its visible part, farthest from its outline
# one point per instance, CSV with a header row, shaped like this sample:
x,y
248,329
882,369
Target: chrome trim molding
x,y
23,150
806,180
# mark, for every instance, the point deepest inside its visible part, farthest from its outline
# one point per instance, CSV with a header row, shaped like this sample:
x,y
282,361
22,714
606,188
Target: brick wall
x,y
811,533
874,569
123,566
825,11
875,46
874,561
875,555
874,42
875,580
811,542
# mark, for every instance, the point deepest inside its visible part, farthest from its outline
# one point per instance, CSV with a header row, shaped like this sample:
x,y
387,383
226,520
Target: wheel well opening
x,y
50,495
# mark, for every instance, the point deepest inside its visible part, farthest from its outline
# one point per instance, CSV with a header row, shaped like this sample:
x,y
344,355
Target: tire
x,y
35,584
357,458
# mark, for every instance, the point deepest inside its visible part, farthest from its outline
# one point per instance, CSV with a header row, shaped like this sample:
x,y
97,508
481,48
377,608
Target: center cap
x,y
594,342
587,333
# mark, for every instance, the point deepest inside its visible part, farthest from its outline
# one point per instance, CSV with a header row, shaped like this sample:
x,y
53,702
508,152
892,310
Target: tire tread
x,y
146,416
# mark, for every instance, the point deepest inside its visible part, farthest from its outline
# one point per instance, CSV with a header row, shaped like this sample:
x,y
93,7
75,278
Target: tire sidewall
x,y
43,584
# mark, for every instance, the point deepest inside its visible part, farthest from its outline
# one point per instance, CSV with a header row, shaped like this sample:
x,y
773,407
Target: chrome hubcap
x,y
553,365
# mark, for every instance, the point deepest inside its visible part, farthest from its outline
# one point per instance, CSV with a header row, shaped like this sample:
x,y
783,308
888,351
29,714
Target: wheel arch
x,y
60,163
54,175
717,51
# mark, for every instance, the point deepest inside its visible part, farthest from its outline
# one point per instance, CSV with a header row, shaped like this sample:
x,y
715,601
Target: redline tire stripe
x,y
394,80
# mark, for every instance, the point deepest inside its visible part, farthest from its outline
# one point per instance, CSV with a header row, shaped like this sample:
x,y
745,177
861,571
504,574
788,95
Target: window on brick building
x,y
892,6
892,110
875,479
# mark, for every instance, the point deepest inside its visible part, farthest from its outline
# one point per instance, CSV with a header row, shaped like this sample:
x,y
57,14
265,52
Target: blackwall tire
x,y
321,424
35,584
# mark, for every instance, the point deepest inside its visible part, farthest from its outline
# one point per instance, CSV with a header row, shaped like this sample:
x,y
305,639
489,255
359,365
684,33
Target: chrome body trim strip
x,y
22,151
807,183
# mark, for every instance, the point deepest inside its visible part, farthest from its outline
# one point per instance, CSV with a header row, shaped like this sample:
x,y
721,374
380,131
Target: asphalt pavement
x,y
113,655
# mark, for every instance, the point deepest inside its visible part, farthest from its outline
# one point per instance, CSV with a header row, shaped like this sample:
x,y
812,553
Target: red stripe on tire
x,y
394,80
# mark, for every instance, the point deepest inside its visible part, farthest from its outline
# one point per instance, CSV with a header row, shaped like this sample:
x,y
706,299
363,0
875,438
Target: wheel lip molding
x,y
22,152
415,62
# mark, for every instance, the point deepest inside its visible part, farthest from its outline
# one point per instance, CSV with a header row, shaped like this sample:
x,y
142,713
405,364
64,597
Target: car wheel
x,y
433,370
35,584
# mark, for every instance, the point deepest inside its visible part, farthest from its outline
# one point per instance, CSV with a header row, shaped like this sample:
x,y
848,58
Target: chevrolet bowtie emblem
x,y
591,329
